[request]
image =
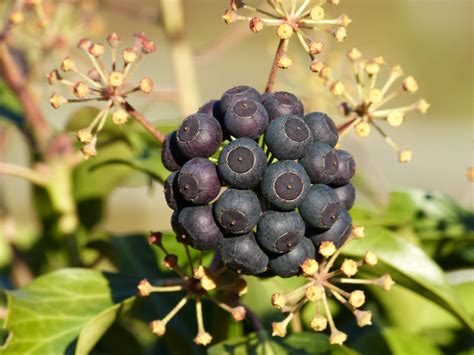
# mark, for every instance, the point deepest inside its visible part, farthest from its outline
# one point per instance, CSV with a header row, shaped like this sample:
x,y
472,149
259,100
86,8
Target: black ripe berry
x,y
288,137
323,128
320,162
246,118
198,181
198,227
286,265
338,233
345,168
282,103
242,163
285,184
173,197
237,211
171,155
346,195
279,232
243,254
238,93
213,108
320,207
200,135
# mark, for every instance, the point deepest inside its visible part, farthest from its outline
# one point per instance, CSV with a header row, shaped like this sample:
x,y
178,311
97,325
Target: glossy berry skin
x,y
238,93
320,162
237,211
200,135
171,155
173,197
243,254
285,184
213,108
346,195
320,207
242,163
288,264
288,137
198,181
279,232
338,233
198,227
323,128
246,118
345,168
282,103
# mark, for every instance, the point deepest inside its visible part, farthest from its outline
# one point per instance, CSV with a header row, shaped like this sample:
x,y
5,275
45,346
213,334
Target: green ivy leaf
x,y
47,316
410,267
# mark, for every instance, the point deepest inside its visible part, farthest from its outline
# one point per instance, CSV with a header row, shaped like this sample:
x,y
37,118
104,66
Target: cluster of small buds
x,y
322,280
197,284
292,19
102,85
366,108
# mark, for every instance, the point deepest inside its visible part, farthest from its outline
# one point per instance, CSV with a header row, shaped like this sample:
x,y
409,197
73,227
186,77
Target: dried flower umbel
x,y
367,108
110,86
321,285
291,18
200,283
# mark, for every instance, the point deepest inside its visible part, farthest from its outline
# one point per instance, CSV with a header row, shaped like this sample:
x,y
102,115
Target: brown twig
x,y
343,127
143,121
274,70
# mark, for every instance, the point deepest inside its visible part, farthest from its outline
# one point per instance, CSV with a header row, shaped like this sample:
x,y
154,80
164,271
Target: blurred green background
x,y
431,39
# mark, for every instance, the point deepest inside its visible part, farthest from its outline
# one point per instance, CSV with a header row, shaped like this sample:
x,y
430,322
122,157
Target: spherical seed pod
x,y
243,254
198,181
279,232
320,162
345,168
282,103
338,233
199,228
171,155
242,163
246,118
200,135
322,127
238,93
173,197
346,195
237,211
288,264
320,207
285,184
288,137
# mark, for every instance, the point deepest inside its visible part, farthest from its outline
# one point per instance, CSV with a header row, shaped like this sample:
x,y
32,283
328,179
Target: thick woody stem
x,y
273,72
143,121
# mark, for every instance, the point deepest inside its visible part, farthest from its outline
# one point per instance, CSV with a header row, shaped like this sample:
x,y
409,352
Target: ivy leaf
x,y
47,316
410,267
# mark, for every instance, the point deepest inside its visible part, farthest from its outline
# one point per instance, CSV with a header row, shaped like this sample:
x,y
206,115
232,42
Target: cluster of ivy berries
x,y
260,182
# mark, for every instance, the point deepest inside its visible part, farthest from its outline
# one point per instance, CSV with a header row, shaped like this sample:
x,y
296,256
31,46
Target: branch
x,y
23,172
274,70
143,121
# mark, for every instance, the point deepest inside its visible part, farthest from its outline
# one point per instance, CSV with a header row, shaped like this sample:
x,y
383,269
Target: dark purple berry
x,y
285,184
323,128
243,254
198,227
320,207
345,168
237,211
173,197
346,195
246,118
282,103
171,155
338,233
320,162
198,181
238,93
288,137
242,163
279,232
288,264
200,135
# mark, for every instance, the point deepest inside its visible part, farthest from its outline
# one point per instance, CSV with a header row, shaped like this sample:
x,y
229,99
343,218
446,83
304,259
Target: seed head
x,y
405,155
363,318
203,338
80,90
385,282
410,84
314,293
337,337
327,248
279,329
357,298
84,135
310,267
349,267
158,327
285,62
278,301
362,129
144,288
256,24
239,313
318,323
284,31
370,258
120,117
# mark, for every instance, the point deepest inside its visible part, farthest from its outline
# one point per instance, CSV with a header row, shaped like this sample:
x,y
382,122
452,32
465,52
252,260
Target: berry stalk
x,y
273,72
